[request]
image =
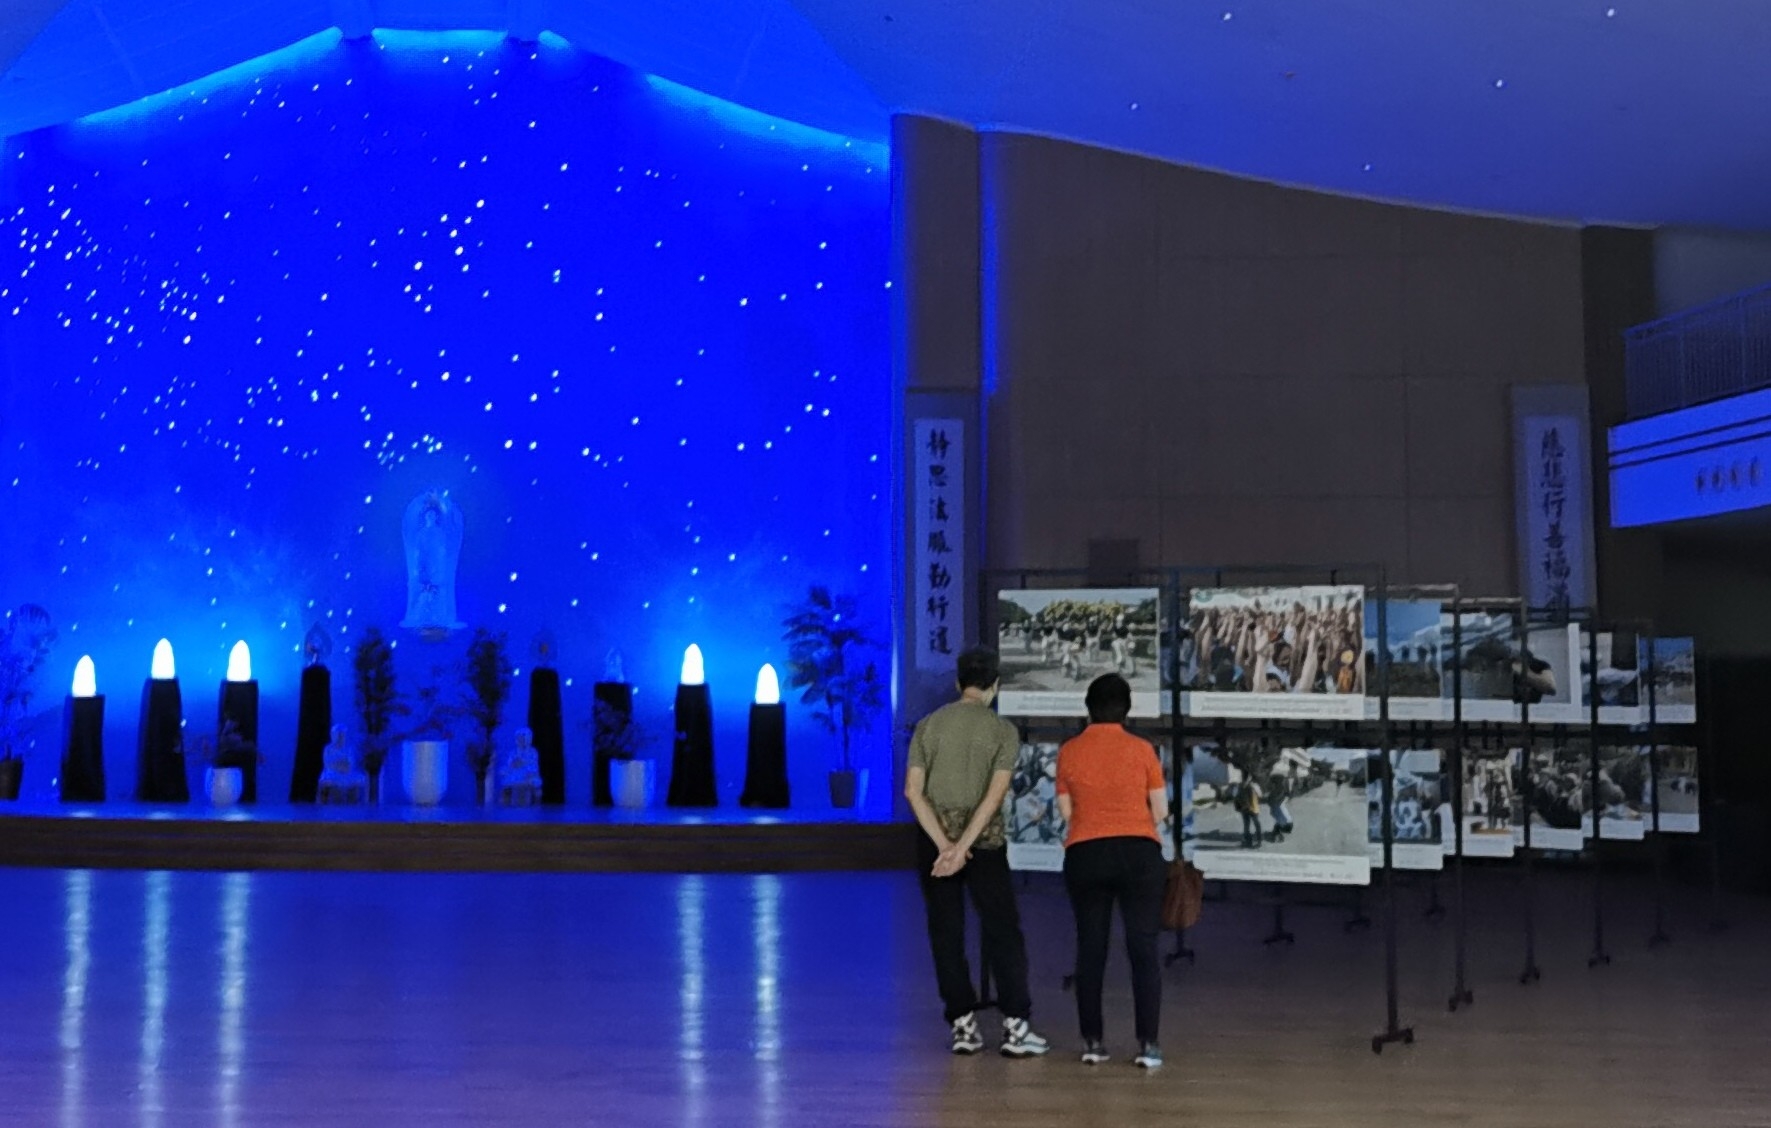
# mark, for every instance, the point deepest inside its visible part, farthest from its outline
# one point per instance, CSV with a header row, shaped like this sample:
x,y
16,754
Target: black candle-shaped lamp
x,y
83,724
159,761
313,725
547,727
613,705
765,767
239,711
691,764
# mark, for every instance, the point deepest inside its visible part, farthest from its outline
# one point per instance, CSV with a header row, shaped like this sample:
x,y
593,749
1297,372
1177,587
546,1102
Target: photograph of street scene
x,y
1280,814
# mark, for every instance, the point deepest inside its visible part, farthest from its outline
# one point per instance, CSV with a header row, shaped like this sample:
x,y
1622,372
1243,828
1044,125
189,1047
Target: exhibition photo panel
x,y
1482,659
1676,773
1560,794
1054,642
1034,827
1415,639
1611,667
1420,805
1276,652
1489,785
1266,813
1674,664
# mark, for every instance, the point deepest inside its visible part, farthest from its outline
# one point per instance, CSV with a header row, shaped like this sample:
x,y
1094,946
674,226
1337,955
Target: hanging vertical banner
x,y
1553,497
940,581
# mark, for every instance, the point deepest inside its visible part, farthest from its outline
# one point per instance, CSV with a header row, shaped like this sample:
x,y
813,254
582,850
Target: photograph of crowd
x,y
1031,822
1625,796
1277,652
1415,631
1561,794
1617,682
1675,681
1676,769
1488,795
1054,642
1264,813
1419,804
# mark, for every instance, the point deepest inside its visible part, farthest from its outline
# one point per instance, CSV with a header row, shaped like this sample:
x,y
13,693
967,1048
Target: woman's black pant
x,y
1099,873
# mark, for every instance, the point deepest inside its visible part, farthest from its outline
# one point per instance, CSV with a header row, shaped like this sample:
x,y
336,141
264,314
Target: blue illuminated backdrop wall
x,y
640,336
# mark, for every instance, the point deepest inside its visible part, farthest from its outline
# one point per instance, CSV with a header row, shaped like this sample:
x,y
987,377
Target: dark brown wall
x,y
1238,373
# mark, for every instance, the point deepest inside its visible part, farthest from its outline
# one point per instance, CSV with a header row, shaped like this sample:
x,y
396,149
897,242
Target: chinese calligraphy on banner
x,y
937,548
1554,499
1557,513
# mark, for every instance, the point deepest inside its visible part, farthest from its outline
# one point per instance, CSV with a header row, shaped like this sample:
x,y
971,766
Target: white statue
x,y
433,550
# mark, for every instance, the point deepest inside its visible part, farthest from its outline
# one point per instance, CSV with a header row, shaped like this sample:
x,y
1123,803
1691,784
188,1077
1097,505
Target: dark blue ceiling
x,y
1632,111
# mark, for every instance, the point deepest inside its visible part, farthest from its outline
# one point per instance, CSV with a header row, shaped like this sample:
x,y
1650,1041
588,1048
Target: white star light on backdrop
x,y
315,289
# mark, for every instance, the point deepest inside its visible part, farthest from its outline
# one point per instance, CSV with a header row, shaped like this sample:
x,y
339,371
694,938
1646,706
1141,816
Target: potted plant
x,y
827,657
376,704
424,750
623,740
25,642
228,756
488,683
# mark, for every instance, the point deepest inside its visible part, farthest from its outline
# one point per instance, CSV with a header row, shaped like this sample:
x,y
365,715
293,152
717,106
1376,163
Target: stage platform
x,y
447,840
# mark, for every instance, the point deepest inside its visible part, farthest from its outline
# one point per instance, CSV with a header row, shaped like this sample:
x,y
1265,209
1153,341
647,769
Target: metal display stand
x,y
1600,957
1660,935
1531,973
1461,995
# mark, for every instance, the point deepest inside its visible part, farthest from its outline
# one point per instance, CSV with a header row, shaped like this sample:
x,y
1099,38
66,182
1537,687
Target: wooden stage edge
x,y
405,840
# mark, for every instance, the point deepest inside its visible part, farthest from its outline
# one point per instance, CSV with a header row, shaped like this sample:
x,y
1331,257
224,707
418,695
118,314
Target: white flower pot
x,y
632,782
223,785
424,770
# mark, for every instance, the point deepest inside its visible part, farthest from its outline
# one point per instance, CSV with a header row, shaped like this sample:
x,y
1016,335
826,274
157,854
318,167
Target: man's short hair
x,y
979,668
1108,700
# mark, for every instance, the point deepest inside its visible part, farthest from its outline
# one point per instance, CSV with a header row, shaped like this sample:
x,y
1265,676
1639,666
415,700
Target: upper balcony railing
x,y
1705,353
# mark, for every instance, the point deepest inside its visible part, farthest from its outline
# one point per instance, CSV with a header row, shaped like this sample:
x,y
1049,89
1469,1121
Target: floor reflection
x,y
691,932
156,932
77,935
765,928
236,940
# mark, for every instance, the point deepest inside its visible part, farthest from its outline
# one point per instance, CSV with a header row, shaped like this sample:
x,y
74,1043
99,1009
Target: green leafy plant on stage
x,y
377,704
26,638
488,683
229,748
617,734
829,659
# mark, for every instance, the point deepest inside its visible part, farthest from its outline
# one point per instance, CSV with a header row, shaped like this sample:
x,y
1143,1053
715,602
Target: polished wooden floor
x,y
182,1000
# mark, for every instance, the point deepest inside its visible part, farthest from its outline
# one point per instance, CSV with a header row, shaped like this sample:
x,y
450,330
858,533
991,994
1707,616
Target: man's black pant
x,y
1098,873
987,876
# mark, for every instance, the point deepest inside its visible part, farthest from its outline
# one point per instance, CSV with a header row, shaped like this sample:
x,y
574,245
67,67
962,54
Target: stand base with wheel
x,y
1405,1035
1461,998
1279,935
1181,952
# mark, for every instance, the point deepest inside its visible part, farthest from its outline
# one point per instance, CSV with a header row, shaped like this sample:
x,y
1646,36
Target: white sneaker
x,y
967,1038
1019,1040
1149,1057
1094,1053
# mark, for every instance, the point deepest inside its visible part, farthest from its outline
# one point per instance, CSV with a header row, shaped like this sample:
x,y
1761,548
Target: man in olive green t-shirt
x,y
961,759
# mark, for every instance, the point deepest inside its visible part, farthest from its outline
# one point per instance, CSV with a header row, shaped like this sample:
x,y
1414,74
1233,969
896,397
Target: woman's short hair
x,y
1108,700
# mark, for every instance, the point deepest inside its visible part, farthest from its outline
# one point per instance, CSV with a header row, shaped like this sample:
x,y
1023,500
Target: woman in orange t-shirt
x,y
1112,794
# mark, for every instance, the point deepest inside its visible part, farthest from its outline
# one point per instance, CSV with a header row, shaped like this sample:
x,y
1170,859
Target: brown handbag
x,y
1184,897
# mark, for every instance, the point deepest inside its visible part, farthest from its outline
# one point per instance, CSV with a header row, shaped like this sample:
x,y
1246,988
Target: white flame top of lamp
x,y
694,670
85,677
240,663
163,669
768,686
